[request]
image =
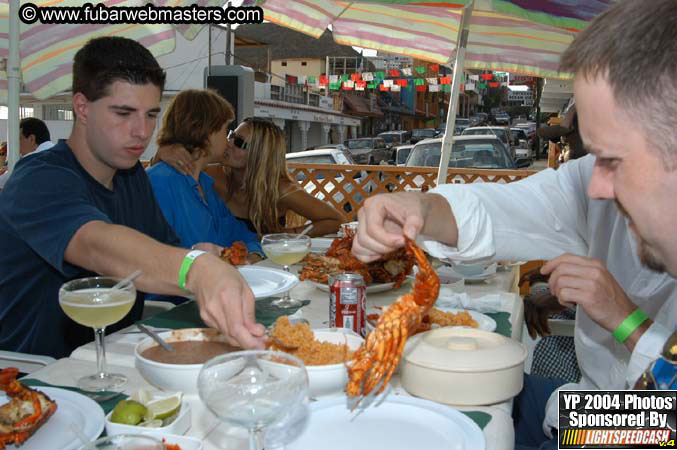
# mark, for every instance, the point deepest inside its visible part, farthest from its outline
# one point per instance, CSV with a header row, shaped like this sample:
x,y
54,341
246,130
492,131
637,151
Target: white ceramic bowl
x,y
331,379
463,366
179,426
173,377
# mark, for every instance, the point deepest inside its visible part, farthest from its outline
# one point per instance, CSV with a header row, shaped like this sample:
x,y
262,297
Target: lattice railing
x,y
346,187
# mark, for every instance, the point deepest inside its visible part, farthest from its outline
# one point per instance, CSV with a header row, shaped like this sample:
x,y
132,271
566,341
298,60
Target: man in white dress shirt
x,y
33,137
611,251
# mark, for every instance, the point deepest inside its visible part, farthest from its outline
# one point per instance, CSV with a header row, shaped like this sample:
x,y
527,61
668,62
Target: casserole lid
x,y
458,349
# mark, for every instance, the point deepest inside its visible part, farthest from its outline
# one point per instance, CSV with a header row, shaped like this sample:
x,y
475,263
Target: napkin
x,y
108,398
485,304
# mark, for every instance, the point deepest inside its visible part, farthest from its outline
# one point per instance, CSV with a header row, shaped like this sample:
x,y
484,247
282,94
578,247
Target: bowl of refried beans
x,y
178,370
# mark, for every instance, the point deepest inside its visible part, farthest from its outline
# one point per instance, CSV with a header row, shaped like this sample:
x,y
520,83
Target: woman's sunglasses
x,y
237,140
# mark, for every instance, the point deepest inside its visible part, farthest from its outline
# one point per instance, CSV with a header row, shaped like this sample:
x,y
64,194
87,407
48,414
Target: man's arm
x,y
224,298
385,219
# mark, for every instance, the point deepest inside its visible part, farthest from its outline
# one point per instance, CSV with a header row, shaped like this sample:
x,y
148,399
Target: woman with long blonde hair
x,y
256,186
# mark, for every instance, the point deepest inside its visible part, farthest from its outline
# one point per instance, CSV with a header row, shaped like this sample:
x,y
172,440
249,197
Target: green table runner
x,y
187,315
479,417
108,398
503,325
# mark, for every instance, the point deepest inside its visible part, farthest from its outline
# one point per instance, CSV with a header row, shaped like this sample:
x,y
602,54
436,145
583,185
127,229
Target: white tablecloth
x,y
499,432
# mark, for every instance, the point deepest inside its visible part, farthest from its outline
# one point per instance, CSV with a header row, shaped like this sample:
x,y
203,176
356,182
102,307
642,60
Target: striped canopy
x,y
47,50
519,36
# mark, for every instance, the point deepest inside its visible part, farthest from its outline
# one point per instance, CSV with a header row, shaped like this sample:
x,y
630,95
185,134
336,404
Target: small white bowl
x,y
331,379
185,442
173,377
470,270
179,426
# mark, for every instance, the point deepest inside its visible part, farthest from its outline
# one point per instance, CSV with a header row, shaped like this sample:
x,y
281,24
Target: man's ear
x,y
80,107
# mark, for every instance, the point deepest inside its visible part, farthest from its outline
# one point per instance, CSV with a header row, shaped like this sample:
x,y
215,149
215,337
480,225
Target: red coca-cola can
x,y
347,297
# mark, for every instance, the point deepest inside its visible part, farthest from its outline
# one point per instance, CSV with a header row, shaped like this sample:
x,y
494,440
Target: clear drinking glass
x,y
253,389
286,249
126,442
94,303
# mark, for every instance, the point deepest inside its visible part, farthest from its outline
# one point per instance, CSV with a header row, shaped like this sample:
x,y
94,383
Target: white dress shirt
x,y
543,216
44,146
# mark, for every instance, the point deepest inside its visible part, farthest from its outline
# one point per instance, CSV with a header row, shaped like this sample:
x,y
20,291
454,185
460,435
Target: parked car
x,y
502,118
368,150
503,133
461,124
422,133
480,152
401,153
330,156
326,146
523,149
395,138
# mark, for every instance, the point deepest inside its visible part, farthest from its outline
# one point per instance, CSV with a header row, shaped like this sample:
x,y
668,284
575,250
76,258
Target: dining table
x,y
494,420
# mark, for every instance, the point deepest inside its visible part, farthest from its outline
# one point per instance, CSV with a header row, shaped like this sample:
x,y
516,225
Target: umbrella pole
x,y
459,61
13,85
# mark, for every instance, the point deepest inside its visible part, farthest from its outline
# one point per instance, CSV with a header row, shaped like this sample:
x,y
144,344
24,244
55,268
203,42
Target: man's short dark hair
x,y
36,127
633,46
104,60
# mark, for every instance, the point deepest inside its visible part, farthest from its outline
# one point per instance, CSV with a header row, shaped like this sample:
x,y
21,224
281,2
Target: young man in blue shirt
x,y
86,207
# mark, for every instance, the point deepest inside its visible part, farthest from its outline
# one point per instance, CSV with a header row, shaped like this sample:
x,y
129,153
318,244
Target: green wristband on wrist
x,y
629,325
185,267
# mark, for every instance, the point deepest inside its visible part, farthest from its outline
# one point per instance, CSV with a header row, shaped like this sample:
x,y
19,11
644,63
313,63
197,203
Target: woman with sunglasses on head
x,y
254,158
198,121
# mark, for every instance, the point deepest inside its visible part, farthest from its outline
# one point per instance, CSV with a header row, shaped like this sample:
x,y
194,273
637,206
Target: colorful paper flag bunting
x,y
421,88
406,71
445,80
420,69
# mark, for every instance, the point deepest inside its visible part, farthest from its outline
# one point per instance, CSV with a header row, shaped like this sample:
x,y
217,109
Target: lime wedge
x,y
155,423
163,407
128,412
142,396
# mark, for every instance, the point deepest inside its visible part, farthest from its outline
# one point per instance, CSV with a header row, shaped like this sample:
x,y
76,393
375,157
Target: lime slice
x,y
155,423
163,407
128,412
142,396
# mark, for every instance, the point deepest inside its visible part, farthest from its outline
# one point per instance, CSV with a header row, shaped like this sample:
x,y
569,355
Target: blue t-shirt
x,y
46,200
194,219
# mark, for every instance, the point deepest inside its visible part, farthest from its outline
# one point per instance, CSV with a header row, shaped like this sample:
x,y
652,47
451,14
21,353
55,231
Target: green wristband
x,y
629,325
185,267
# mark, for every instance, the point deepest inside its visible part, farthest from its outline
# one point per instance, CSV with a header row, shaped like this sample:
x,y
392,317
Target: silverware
x,y
157,330
156,337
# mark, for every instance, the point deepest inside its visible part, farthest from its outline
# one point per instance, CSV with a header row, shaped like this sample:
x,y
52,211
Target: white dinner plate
x,y
399,423
320,245
266,281
375,287
56,434
489,272
484,322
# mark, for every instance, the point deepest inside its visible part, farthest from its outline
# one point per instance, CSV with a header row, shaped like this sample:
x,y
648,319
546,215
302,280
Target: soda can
x,y
347,297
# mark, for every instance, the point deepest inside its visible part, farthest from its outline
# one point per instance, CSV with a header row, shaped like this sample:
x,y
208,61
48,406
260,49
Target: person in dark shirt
x,y
87,207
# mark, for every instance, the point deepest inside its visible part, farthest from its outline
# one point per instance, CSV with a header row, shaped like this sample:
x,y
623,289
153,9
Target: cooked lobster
x,y
375,361
26,411
236,254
